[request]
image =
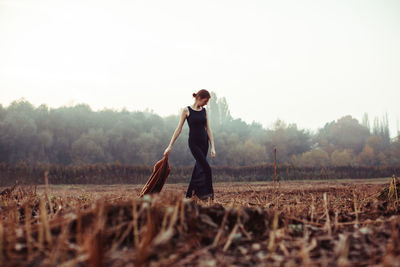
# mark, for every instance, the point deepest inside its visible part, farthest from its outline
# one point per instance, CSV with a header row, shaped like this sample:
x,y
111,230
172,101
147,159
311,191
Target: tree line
x,y
77,135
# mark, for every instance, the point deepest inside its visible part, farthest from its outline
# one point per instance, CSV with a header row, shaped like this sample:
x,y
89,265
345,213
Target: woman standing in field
x,y
199,136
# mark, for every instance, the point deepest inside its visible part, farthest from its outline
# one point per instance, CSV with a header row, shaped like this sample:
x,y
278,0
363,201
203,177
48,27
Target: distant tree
x,y
323,140
346,133
381,129
376,143
382,159
4,146
79,135
90,148
224,113
219,111
366,157
287,139
394,153
122,136
397,128
20,131
227,144
250,153
342,157
213,110
365,121
315,157
3,112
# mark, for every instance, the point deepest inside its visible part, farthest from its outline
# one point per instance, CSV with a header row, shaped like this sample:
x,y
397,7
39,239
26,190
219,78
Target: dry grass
x,y
299,224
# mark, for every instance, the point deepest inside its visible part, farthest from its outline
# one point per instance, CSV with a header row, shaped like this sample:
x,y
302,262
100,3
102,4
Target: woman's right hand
x,y
167,150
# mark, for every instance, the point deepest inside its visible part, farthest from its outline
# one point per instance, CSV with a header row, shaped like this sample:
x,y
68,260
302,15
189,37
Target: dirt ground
x,y
302,223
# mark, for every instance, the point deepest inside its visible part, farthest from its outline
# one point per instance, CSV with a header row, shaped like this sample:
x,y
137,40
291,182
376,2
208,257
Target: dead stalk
x,y
122,237
135,222
230,238
355,210
1,241
221,229
45,222
79,239
174,217
182,216
59,245
40,236
165,219
305,252
46,181
120,223
10,236
328,220
28,214
336,221
143,249
284,249
312,208
393,189
275,174
272,233
343,250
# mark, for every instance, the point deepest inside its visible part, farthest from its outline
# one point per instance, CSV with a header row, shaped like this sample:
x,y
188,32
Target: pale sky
x,y
305,62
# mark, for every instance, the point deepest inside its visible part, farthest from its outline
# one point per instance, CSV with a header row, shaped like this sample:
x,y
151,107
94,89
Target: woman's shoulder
x,y
185,110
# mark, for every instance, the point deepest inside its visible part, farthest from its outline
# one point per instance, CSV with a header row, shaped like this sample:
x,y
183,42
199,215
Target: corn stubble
x,y
318,224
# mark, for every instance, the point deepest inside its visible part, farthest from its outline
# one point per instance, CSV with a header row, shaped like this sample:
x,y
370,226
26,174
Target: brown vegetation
x,y
128,174
318,224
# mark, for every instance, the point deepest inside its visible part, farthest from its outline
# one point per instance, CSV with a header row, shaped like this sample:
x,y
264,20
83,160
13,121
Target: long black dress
x,y
201,181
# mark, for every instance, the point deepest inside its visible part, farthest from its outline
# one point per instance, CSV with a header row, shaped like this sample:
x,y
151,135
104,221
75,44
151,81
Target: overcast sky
x,y
305,62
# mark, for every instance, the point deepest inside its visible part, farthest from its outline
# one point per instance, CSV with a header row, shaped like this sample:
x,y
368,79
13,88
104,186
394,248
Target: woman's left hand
x,y
212,152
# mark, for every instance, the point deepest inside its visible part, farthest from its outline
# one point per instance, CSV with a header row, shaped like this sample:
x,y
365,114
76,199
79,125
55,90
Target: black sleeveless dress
x,y
201,181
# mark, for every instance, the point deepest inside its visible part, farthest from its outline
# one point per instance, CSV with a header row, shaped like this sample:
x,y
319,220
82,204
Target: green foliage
x,y
219,113
287,139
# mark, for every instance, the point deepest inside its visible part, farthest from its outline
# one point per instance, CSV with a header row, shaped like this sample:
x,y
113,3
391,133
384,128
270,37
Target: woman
x,y
199,136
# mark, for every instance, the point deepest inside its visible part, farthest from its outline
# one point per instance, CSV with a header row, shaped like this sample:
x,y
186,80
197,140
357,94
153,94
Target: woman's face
x,y
203,101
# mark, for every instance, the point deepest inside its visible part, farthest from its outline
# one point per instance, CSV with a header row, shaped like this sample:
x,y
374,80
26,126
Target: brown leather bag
x,y
157,178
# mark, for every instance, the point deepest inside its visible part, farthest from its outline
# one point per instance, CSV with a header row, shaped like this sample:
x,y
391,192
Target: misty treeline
x,y
78,135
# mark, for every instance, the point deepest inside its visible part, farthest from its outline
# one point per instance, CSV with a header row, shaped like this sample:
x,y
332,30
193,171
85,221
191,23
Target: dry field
x,y
309,223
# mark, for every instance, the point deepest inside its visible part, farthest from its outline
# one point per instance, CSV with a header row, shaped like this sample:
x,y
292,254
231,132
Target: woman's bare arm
x,y
178,130
210,136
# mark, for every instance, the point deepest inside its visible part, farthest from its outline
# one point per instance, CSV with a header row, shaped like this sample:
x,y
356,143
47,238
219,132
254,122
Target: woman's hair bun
x,y
203,93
